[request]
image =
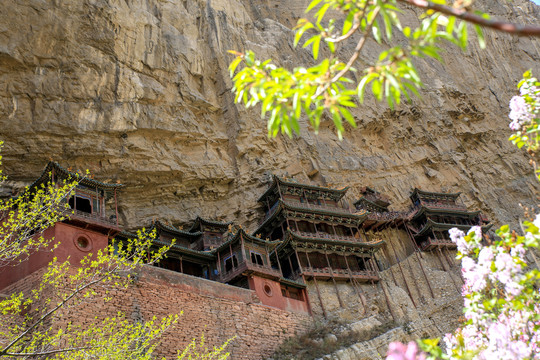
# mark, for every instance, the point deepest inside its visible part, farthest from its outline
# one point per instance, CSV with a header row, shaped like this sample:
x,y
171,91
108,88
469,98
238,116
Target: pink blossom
x,y
518,108
399,351
515,125
536,221
519,250
456,234
485,256
477,230
506,267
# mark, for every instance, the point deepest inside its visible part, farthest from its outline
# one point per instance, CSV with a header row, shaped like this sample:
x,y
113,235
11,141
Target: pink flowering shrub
x,y
501,292
501,301
501,297
399,351
525,114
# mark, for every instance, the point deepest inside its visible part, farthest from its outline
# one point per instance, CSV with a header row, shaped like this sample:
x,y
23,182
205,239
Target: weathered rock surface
x,y
138,92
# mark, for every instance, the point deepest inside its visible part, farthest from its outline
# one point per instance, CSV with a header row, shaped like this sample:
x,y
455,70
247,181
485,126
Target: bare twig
x,y
511,28
354,57
50,352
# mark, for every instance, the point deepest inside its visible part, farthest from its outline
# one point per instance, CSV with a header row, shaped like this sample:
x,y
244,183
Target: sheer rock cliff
x,y
138,92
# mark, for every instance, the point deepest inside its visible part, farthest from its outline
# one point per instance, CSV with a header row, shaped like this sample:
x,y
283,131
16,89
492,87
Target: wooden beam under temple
x,y
333,279
317,287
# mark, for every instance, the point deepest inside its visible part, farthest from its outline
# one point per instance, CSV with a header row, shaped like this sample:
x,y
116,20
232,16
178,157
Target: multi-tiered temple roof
x,y
88,203
308,233
436,213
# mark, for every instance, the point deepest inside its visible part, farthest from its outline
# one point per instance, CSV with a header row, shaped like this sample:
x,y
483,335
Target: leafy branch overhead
x,y
330,86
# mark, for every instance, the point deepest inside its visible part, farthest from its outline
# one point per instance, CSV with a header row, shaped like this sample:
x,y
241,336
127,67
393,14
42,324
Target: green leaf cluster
x,y
327,89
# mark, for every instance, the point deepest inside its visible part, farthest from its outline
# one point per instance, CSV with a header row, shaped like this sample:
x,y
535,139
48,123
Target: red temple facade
x,y
309,234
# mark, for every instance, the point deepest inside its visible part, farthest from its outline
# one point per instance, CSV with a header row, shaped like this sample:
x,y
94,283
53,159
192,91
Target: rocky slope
x,y
138,92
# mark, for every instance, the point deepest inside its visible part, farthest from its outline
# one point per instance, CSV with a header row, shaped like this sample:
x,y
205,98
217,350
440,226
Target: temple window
x,y
303,226
277,234
362,263
256,258
230,263
81,204
291,293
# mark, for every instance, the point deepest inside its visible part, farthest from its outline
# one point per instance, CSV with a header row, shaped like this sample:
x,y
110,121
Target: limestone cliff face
x,y
138,91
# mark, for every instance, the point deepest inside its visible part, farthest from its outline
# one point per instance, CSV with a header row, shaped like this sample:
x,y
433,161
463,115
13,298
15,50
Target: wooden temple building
x,y
93,220
309,235
435,214
320,237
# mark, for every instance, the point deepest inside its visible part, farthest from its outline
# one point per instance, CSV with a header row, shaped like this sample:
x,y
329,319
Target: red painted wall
x,y
67,235
274,298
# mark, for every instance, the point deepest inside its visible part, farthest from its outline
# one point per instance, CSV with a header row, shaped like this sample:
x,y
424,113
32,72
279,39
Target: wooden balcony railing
x,y
248,266
306,205
430,244
322,235
386,216
448,206
340,273
91,217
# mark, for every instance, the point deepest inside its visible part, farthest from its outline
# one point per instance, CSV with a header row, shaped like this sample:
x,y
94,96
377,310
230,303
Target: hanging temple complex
x,y
310,241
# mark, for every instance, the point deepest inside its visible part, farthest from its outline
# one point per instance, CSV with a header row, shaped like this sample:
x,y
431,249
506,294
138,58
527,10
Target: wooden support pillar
x,y
283,231
387,301
354,284
402,274
316,287
453,262
367,269
279,189
450,273
412,240
413,277
419,258
242,249
115,205
181,265
278,263
450,264
387,256
333,279
290,264
267,256
98,210
425,276
298,260
360,235
334,228
232,260
440,260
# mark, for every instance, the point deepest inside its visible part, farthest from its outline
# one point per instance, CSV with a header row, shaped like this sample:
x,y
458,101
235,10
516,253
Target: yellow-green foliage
x,y
199,350
40,323
25,217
